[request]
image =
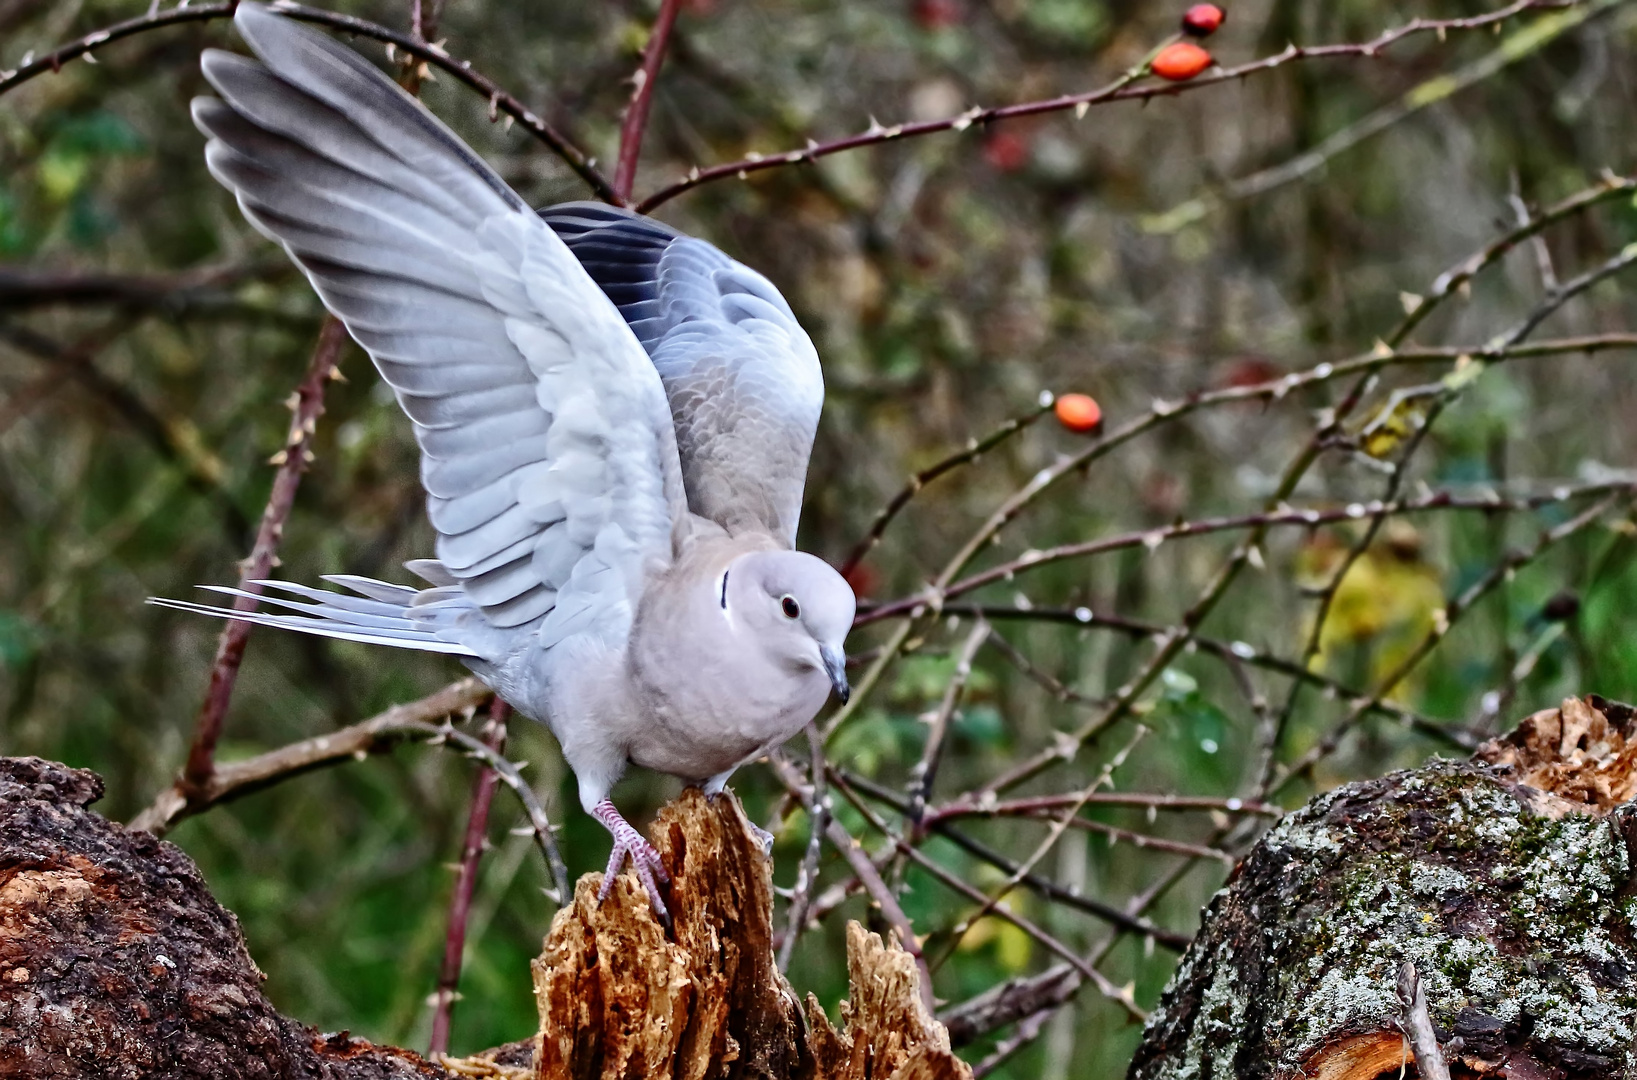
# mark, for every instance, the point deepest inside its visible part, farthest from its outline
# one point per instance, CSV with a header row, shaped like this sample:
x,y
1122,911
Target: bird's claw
x,y
644,859
762,836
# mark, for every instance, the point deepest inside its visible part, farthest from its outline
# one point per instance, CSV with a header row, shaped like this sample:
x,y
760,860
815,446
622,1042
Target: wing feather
x,y
741,376
548,453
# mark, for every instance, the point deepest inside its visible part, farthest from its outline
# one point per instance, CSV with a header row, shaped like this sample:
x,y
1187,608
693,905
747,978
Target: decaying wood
x,y
1507,882
619,997
115,962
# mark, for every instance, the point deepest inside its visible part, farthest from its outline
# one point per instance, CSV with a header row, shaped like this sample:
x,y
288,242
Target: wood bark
x,y
115,962
1507,881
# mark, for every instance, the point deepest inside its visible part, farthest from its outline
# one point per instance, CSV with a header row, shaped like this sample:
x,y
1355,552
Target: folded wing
x,y
741,375
548,452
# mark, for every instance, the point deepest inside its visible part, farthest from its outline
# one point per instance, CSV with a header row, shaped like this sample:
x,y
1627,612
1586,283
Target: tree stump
x,y
621,998
1506,881
116,963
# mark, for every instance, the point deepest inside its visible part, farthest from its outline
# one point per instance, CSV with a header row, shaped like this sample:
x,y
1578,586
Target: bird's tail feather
x,y
382,613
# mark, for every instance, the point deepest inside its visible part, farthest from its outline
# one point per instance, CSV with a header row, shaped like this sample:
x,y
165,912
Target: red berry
x,y
937,14
1180,61
1078,412
1202,20
1006,150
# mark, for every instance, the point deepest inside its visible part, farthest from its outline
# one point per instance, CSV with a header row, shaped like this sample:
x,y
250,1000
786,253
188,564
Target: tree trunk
x,y
1505,881
115,963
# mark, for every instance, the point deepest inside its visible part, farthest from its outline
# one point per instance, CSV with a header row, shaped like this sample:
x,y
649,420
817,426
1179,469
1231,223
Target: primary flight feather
x,y
614,421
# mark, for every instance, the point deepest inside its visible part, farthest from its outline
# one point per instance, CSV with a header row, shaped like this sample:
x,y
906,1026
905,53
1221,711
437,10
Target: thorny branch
x,y
500,102
306,404
236,779
642,98
476,842
1119,90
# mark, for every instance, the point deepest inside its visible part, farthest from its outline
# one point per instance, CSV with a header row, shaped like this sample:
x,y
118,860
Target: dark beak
x,y
835,666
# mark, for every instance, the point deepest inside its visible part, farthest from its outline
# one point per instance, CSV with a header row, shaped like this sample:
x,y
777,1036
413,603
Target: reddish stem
x,y
292,462
642,98
460,904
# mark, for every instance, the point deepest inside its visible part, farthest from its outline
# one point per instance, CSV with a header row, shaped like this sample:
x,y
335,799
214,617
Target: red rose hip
x,y
1180,61
1078,412
1202,20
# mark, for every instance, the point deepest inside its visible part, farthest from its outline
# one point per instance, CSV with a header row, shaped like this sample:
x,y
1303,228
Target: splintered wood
x,y
620,998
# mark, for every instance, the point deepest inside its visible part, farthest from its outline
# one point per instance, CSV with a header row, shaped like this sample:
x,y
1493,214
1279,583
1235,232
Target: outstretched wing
x,y
548,452
742,376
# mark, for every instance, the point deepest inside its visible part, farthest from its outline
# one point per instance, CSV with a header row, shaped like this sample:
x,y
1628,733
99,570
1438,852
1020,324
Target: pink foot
x,y
644,859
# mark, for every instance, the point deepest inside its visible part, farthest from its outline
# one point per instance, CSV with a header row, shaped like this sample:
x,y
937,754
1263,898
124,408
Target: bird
x,y
614,418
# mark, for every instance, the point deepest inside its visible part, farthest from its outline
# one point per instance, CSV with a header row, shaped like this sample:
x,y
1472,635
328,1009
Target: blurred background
x,y
1145,252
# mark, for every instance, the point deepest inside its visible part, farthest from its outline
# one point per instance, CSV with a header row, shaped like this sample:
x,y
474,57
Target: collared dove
x,y
614,422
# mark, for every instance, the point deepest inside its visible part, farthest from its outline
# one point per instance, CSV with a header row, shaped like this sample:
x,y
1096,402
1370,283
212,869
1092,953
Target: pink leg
x,y
644,859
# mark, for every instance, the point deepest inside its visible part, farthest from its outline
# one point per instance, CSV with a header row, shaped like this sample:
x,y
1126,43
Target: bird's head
x,y
796,608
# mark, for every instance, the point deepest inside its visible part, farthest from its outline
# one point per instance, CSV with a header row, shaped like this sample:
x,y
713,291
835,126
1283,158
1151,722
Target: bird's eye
x,y
792,610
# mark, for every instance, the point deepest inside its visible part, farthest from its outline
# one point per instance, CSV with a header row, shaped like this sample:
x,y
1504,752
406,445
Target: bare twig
x,y
424,18
1237,651
292,461
925,771
1118,90
1000,911
1452,611
818,818
1298,517
1037,803
1524,43
642,98
1061,820
460,900
1429,1059
1044,886
236,779
869,876
499,100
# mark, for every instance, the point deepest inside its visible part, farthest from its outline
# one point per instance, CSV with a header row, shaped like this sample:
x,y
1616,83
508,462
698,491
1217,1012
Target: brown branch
x,y
1119,90
292,461
499,100
642,98
236,779
1136,839
471,853
1451,281
54,61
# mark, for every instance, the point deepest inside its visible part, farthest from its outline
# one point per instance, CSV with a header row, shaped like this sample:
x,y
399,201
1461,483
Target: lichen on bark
x,y
1512,902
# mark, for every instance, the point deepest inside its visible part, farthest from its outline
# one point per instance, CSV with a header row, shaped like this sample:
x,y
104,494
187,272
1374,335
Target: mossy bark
x,y
1506,881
